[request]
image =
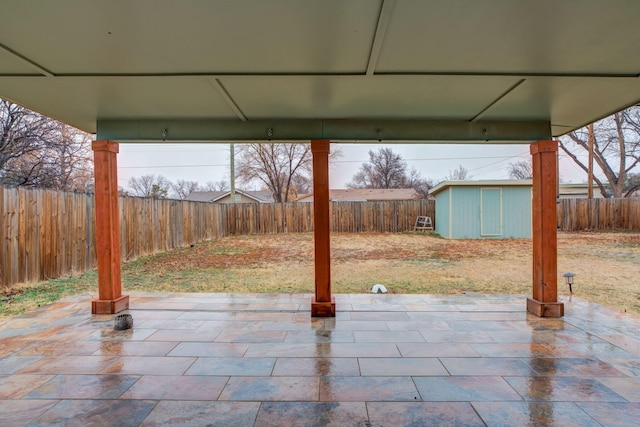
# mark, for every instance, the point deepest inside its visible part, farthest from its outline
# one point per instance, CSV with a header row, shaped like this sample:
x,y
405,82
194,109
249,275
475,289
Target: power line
x,y
504,158
437,159
170,166
173,151
494,163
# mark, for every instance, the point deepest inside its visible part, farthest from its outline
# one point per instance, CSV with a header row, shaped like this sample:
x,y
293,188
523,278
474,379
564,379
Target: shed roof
x,y
480,183
354,70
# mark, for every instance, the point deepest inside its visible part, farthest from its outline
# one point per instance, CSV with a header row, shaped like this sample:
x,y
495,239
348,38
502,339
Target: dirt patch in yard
x,y
606,265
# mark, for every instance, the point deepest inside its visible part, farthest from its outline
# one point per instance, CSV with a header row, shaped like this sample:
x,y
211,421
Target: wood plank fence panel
x,y
5,243
45,234
12,233
3,240
599,214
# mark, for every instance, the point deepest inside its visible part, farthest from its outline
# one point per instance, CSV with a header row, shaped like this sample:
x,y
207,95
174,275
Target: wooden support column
x,y
105,168
323,304
545,244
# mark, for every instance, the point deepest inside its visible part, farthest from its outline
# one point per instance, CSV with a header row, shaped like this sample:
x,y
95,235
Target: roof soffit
x,y
359,59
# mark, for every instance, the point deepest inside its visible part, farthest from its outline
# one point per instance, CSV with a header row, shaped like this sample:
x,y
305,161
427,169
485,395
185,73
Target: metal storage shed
x,y
483,209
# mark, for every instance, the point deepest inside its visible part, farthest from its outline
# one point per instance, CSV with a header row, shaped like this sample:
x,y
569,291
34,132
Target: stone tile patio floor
x,y
385,360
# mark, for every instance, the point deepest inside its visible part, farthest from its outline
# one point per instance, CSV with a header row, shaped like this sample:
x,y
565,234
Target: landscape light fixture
x,y
568,278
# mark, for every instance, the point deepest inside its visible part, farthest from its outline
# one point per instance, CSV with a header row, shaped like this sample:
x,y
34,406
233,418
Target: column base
x,y
110,306
323,309
545,309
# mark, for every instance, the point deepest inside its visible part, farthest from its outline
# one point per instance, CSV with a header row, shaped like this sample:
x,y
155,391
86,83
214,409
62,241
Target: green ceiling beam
x,y
370,130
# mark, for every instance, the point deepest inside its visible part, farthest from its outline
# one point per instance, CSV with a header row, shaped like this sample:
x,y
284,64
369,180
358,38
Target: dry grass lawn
x,y
606,265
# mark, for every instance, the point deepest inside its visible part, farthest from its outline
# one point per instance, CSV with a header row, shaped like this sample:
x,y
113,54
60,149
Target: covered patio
x,y
356,71
242,360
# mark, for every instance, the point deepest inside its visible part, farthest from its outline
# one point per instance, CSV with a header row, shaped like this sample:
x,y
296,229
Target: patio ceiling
x,y
404,70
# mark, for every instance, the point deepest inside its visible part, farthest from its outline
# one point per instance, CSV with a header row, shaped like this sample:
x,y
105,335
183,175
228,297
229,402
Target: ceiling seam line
x,y
23,58
336,74
506,74
495,101
228,99
378,37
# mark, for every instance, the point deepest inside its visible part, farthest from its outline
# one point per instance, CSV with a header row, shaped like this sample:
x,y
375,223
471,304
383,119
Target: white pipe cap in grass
x,y
378,289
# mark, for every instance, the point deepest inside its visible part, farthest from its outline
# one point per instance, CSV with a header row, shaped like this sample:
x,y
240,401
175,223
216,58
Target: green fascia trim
x,y
369,130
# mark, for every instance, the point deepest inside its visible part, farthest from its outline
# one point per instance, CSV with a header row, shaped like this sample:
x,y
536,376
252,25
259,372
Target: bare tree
x,y
21,132
459,174
274,165
73,159
422,186
154,186
41,152
182,188
221,185
387,169
632,185
616,148
520,170
303,184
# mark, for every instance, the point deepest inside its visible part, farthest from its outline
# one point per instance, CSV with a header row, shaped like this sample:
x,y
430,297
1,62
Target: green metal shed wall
x,y
465,212
516,212
443,219
491,212
458,212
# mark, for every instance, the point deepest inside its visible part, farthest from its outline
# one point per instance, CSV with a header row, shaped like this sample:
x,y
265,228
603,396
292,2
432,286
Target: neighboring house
x,y
579,191
225,196
366,195
494,209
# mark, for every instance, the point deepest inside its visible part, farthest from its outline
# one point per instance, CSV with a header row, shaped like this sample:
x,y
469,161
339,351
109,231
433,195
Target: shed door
x,y
490,211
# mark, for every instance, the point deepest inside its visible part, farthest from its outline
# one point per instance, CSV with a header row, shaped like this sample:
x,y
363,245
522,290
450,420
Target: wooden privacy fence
x,y
599,214
45,234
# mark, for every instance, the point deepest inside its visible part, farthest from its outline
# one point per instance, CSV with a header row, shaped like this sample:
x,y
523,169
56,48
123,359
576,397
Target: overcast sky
x,y
210,162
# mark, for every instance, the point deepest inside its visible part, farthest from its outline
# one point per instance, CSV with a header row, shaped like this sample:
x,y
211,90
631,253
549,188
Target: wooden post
x,y
545,244
592,137
110,299
323,304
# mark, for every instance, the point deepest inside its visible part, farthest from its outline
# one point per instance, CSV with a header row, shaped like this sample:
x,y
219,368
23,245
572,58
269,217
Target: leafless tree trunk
x,y
154,186
459,174
182,188
221,185
41,152
616,148
387,169
520,170
274,165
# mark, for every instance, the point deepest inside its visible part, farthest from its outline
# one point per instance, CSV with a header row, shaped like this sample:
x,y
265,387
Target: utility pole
x,y
232,167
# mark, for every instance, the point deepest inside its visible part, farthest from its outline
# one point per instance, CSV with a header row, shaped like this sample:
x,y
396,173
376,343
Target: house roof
x,y
366,194
212,196
346,70
205,196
